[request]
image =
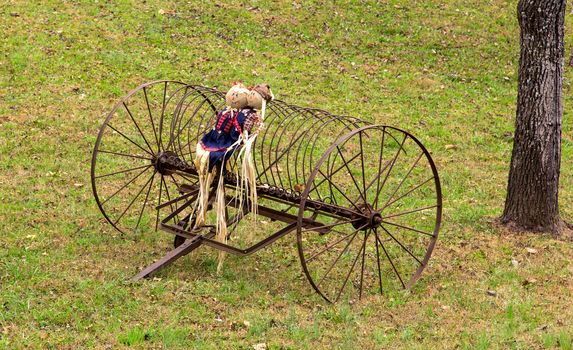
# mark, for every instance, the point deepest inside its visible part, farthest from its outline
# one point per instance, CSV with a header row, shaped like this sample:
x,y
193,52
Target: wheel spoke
x,y
134,198
362,269
124,186
315,255
403,179
389,170
137,126
332,174
186,177
130,140
123,171
363,247
336,260
389,259
151,118
169,198
377,177
124,154
162,115
314,228
342,193
159,200
380,172
144,203
351,176
410,191
410,211
407,228
378,261
362,162
401,245
175,181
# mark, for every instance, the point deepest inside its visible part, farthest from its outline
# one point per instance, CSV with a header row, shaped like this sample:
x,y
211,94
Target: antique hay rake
x,y
364,199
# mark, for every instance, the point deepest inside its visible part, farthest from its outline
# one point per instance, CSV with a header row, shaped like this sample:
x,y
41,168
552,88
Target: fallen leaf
x,y
299,187
528,281
260,346
531,250
247,323
514,262
448,147
491,293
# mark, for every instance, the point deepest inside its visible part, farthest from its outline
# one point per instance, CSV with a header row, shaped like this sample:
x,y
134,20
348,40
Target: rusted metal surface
x,y
364,200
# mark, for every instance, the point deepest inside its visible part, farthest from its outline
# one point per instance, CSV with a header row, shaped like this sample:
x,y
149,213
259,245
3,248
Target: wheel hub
x,y
369,219
164,162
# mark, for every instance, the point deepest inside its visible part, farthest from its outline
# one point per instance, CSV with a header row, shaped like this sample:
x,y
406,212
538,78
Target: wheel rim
x,y
128,181
388,181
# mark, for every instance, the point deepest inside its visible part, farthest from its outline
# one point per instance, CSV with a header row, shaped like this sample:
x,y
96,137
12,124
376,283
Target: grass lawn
x,y
446,70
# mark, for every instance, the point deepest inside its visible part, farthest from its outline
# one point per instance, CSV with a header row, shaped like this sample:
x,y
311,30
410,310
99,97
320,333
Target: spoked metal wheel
x,y
388,184
128,179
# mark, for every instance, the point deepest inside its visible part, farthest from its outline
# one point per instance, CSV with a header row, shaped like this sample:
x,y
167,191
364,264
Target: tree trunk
x,y
533,186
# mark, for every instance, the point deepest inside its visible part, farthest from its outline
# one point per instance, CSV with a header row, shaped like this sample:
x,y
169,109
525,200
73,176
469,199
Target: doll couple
x,y
236,128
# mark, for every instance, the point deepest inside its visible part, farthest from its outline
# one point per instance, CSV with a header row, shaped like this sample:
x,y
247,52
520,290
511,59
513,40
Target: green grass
x,y
445,70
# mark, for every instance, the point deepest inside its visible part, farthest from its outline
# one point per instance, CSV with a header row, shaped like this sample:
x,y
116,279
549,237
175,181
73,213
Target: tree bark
x,y
533,186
